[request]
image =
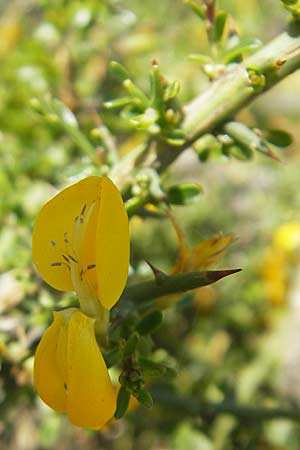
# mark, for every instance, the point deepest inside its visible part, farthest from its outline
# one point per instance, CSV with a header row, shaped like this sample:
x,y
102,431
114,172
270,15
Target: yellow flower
x,y
201,257
204,255
281,262
80,243
70,374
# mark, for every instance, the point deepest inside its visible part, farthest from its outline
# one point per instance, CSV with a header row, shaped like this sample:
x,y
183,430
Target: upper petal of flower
x,y
112,245
91,396
84,224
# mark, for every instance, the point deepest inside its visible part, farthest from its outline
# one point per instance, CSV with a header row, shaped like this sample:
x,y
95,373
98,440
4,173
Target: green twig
x,y
210,410
240,85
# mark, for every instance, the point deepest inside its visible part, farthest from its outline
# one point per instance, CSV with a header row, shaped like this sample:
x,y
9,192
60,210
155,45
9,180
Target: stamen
x,y
72,258
91,266
65,258
66,240
53,243
59,264
83,210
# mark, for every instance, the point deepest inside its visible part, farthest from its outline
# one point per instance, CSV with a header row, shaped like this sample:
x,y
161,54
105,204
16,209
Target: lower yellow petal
x,y
48,380
91,397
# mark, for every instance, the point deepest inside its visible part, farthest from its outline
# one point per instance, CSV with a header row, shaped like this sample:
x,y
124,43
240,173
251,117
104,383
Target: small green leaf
x,y
146,120
144,397
151,369
236,52
150,322
157,90
240,152
64,114
184,194
130,345
175,140
207,145
198,9
113,357
203,155
118,103
219,25
119,71
280,138
122,402
136,92
172,90
246,138
198,57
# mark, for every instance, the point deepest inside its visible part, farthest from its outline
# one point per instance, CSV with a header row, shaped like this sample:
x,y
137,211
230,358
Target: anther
x,y
72,258
83,210
53,243
65,258
91,266
56,264
66,240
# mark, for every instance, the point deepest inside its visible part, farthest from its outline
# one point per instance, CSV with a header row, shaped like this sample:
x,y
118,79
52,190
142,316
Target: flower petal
x,y
91,397
112,245
48,379
55,219
208,252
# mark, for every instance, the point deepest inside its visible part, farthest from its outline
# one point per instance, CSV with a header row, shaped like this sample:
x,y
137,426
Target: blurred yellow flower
x,y
280,261
80,243
201,257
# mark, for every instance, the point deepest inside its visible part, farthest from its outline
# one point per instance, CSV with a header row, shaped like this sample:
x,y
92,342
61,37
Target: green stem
x,y
212,409
171,284
240,85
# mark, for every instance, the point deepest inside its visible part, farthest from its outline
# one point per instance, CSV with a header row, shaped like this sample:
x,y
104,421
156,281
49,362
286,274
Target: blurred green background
x,y
239,340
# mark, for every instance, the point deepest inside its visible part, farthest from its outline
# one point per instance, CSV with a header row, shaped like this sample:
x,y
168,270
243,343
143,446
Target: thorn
x,y
215,275
158,274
